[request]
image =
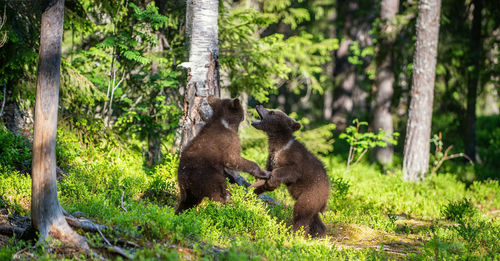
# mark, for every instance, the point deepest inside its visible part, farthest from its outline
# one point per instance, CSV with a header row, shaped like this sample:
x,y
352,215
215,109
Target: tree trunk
x,y
418,129
382,118
343,103
203,65
154,136
473,79
349,96
46,212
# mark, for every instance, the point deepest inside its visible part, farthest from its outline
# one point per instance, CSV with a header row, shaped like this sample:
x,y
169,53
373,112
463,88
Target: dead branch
x,y
127,243
446,157
114,249
11,230
3,19
121,202
85,224
360,156
4,96
119,251
60,173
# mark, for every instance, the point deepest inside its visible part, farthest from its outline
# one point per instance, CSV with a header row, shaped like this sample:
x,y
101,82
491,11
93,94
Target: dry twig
x,y
121,201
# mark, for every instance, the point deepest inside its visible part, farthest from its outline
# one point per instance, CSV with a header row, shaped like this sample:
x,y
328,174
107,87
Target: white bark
x,y
418,130
203,65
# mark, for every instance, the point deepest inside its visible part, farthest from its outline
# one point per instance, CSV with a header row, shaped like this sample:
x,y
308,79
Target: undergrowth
x,y
446,220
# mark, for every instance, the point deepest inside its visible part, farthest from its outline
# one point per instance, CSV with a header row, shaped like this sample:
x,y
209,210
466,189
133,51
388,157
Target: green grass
x,y
370,215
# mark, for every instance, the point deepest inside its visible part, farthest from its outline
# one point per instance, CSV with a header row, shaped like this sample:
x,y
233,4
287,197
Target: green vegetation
x,y
122,102
370,215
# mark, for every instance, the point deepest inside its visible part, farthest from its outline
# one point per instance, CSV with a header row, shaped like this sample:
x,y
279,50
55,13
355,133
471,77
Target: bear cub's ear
x,y
235,103
296,126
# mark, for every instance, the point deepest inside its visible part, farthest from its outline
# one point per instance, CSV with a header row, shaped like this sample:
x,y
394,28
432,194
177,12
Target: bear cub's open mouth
x,y
259,109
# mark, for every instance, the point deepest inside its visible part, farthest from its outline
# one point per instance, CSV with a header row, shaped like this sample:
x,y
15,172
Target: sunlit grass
x,y
370,215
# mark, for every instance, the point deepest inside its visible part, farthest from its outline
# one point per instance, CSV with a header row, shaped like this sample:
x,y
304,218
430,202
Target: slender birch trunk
x,y
382,118
418,129
46,212
203,65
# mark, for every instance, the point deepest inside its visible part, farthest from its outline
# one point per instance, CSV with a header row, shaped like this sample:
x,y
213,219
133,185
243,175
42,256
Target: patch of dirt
x,y
358,237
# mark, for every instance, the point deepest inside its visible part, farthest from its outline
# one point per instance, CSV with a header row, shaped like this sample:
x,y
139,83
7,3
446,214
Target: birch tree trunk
x,y
46,212
418,129
203,65
473,80
382,118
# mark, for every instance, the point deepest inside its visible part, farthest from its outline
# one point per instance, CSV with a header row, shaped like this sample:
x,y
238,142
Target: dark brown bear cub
x,y
297,168
217,146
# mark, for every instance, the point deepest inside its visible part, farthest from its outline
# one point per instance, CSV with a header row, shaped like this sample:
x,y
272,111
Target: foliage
x,y
257,63
458,210
253,64
363,201
119,70
361,142
15,151
163,186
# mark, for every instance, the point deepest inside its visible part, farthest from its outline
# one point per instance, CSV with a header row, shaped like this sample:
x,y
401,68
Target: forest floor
x,y
370,215
343,236
361,237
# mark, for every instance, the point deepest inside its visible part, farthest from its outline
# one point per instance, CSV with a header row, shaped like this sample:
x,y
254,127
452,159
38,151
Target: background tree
x,y
384,79
46,212
473,80
418,130
203,80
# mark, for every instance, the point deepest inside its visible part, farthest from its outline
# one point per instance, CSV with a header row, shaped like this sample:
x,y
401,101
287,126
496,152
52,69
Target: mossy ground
x,y
371,215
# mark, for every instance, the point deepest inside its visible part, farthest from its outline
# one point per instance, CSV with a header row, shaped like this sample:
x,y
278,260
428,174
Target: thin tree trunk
x,y
475,49
418,129
382,118
203,65
46,212
154,137
330,69
343,103
350,98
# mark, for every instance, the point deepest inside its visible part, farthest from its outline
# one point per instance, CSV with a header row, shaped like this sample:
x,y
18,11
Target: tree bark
x,y
154,136
418,129
343,104
473,79
349,95
46,212
382,118
203,65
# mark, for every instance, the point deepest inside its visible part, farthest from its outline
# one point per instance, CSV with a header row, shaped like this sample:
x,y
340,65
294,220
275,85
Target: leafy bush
x,y
15,151
340,186
164,179
361,142
458,210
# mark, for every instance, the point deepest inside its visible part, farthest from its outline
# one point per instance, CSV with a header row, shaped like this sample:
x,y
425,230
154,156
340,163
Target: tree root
x,y
11,231
85,224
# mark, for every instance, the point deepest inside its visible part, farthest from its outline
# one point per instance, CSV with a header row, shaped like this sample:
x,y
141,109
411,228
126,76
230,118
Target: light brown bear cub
x,y
297,168
217,146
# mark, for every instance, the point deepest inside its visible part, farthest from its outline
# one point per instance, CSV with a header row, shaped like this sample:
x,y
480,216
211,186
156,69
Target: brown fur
x,y
217,146
297,168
